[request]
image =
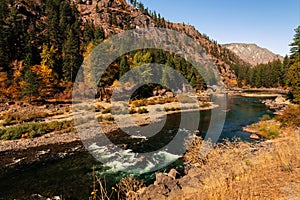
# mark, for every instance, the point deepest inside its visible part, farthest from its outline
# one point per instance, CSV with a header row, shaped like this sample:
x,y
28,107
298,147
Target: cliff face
x,y
252,53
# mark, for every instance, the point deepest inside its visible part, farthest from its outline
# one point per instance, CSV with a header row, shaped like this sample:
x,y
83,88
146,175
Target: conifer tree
x,y
293,76
72,58
30,86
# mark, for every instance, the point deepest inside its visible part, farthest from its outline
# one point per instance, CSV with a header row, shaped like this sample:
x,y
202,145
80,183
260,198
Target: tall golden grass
x,y
248,171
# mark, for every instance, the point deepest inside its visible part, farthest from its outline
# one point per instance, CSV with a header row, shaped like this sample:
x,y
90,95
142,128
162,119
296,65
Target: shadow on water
x,y
72,176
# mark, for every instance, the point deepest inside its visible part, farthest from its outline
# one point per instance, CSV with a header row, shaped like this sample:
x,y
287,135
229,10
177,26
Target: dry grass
x,y
125,189
290,117
128,186
247,171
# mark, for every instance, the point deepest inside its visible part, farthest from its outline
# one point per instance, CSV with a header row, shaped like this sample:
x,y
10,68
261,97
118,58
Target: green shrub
x,y
107,110
151,102
34,129
142,111
273,133
132,111
185,99
205,105
109,118
139,103
100,119
158,109
14,118
265,118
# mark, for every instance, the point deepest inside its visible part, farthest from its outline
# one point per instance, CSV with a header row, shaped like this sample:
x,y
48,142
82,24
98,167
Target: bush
x,y
158,109
185,99
132,111
127,185
265,118
107,110
34,129
138,103
14,118
290,117
142,111
109,118
273,133
205,104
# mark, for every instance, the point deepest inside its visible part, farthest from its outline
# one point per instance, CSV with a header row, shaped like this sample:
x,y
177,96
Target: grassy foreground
x,y
268,170
243,171
238,170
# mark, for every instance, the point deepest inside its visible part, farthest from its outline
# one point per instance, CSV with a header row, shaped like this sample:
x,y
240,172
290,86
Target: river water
x,y
72,176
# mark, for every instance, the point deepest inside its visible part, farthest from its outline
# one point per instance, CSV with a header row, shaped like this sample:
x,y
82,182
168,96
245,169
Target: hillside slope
x,y
56,35
117,16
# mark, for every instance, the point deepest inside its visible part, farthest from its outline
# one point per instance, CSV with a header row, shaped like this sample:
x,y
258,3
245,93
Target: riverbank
x,y
249,110
269,128
269,169
28,150
266,170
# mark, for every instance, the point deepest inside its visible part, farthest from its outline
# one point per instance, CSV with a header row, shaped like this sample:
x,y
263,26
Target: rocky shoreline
x,y
279,104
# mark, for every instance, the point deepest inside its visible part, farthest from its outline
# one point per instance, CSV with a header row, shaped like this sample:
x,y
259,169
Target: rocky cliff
x,y
252,53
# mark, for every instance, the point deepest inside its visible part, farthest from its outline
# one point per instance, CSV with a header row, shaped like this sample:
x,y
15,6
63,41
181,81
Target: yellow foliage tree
x,y
45,78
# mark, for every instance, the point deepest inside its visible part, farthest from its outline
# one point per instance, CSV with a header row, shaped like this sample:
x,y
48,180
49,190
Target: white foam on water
x,y
118,159
138,137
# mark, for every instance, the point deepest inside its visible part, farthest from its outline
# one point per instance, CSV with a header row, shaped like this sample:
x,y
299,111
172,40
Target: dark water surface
x,y
72,177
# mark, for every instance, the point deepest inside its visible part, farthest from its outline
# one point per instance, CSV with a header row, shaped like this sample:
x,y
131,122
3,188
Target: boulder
x,y
173,173
253,136
169,94
280,100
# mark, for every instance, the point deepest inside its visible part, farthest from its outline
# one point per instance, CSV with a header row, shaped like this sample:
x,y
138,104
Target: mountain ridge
x,y
252,53
125,16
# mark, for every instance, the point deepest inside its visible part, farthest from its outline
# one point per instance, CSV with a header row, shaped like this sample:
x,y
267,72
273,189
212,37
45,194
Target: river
x,y
72,178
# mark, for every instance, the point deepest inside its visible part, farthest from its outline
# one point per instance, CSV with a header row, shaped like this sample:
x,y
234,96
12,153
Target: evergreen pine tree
x,y
124,66
30,88
293,76
295,45
72,58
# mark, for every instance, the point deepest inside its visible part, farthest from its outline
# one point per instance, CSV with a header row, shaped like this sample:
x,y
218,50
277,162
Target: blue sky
x,y
268,23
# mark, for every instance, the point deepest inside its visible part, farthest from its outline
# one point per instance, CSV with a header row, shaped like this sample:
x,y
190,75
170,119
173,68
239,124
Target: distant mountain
x,y
252,53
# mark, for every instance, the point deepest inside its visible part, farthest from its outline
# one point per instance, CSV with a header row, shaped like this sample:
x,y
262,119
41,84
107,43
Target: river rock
x,y
254,136
169,94
279,100
173,173
162,179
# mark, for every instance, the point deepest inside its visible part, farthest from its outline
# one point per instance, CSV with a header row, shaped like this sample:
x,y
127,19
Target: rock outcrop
x,y
170,186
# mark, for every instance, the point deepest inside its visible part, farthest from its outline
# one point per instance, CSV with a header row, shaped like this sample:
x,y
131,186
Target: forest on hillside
x,y
43,46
